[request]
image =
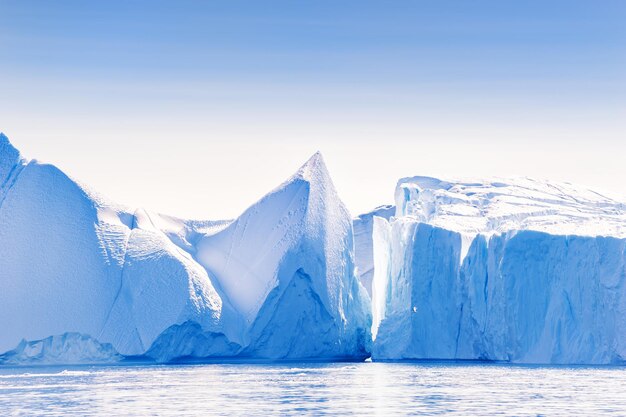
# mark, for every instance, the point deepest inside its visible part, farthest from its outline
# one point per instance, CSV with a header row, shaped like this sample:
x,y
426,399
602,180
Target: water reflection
x,y
368,389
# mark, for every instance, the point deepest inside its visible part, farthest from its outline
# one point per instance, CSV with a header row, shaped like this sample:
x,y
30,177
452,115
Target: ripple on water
x,y
366,389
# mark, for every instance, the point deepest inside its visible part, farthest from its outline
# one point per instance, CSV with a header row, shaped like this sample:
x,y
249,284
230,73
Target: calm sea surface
x,y
362,389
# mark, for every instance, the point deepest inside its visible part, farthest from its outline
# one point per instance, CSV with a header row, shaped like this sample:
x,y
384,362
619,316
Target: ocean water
x,y
363,389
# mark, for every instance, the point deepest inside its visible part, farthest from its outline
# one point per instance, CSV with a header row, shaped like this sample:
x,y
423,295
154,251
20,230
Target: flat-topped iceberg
x,y
82,274
523,271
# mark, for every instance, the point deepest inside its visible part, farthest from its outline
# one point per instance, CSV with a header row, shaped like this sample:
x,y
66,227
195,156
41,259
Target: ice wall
x,y
484,293
364,249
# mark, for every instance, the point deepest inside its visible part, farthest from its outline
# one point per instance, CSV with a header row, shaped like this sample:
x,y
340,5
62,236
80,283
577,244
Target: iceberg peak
x,y
313,168
278,282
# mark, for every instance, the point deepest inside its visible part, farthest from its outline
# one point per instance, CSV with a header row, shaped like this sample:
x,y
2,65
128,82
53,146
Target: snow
x,y
521,271
498,206
79,271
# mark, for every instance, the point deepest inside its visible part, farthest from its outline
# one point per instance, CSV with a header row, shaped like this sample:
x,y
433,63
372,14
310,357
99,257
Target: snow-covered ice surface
x,y
79,272
524,271
519,204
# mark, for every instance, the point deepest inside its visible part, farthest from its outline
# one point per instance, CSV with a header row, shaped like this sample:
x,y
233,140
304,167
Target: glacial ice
x,y
518,270
293,254
65,349
363,246
81,273
488,207
524,271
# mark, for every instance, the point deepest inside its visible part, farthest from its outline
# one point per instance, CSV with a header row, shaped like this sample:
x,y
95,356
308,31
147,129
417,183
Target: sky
x,y
197,109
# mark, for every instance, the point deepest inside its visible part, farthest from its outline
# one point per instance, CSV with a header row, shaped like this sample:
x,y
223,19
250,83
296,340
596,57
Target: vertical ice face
x,y
381,252
363,246
487,270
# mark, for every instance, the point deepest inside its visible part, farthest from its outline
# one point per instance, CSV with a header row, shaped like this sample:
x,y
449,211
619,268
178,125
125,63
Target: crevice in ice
x,y
121,279
486,288
458,332
11,180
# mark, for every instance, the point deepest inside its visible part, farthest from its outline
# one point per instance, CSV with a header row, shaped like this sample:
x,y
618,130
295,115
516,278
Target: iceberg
x,y
66,349
363,226
519,271
287,267
85,279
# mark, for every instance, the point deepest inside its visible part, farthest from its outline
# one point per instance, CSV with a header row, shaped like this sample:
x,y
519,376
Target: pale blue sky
x,y
198,108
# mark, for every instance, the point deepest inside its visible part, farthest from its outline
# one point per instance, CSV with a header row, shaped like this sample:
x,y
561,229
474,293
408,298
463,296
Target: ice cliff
x,y
363,245
524,271
86,280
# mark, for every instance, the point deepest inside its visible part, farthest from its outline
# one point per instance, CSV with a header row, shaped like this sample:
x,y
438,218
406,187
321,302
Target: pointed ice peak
x,y
314,168
315,158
